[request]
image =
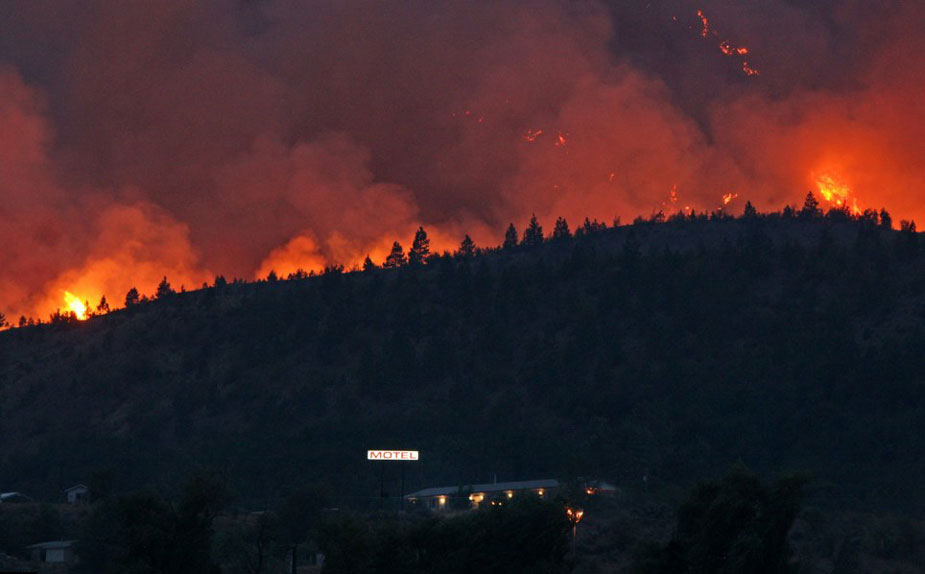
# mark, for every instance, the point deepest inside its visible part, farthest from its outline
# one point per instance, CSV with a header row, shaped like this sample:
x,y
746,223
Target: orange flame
x,y
560,141
726,48
531,135
75,305
706,24
837,192
728,197
749,71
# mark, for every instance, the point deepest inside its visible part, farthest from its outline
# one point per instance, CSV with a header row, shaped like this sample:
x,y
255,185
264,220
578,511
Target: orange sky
x,y
188,139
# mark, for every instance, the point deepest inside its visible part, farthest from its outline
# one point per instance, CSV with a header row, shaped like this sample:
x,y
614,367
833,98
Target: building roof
x,y
53,544
490,487
77,487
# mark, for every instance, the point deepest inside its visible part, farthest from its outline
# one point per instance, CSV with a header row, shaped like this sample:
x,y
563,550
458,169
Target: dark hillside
x,y
671,350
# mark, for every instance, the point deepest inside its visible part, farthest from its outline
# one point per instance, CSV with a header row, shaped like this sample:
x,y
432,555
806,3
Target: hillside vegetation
x,y
660,350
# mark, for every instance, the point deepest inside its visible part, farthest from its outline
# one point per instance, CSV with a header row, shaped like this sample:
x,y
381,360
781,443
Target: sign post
x,y
393,455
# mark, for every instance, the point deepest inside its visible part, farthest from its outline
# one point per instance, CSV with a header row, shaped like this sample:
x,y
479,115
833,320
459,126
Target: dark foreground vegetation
x,y
649,355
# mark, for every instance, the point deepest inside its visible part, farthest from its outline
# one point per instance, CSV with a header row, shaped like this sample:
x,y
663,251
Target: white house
x,y
77,494
54,552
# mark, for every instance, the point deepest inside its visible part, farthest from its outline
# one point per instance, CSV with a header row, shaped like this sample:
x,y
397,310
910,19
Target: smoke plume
x,y
187,139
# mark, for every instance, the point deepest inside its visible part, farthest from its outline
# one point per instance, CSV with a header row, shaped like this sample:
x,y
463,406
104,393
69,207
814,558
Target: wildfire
x,y
706,24
728,197
75,305
560,140
531,135
837,192
726,47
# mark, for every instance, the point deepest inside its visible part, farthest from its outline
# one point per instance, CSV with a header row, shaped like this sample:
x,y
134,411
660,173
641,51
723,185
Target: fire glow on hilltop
x,y
248,157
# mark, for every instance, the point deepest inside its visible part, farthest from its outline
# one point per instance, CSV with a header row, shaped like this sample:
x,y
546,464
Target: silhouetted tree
x,y
396,257
810,209
163,289
220,281
272,277
533,234
788,212
750,211
886,221
467,247
589,227
730,526
420,248
510,237
132,298
561,230
103,306
368,264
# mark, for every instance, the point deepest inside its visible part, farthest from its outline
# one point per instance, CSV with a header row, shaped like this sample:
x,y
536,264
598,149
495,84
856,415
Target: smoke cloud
x,y
192,138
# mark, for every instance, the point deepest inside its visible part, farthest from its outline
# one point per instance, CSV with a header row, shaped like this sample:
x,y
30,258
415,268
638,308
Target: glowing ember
x,y
560,140
706,24
730,50
75,305
749,71
531,135
727,198
726,47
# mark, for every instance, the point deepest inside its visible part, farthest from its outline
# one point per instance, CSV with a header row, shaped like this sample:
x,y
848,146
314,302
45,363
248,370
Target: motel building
x,y
441,498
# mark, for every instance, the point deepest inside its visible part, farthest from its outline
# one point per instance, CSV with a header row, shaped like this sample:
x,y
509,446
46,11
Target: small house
x,y
77,494
54,552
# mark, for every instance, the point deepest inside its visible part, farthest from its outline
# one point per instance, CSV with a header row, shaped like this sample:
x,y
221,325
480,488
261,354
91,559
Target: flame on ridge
x,y
837,192
75,305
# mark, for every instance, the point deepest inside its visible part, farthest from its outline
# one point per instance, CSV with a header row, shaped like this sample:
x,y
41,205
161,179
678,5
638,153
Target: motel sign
x,y
399,455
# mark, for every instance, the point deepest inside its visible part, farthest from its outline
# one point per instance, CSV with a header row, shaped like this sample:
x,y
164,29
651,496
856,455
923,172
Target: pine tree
x,y
103,307
467,247
510,237
163,289
561,230
396,257
2,320
132,298
533,235
750,211
368,264
420,248
810,209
